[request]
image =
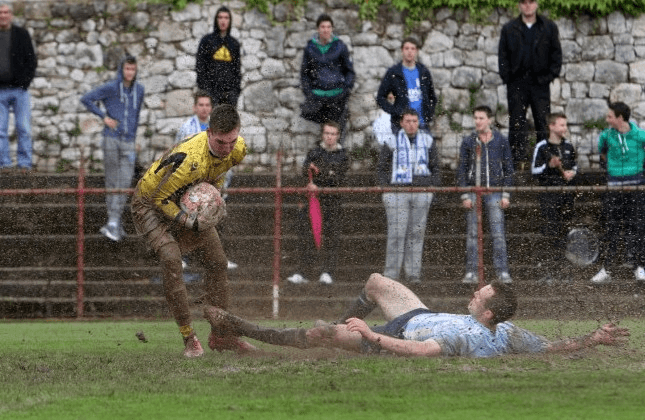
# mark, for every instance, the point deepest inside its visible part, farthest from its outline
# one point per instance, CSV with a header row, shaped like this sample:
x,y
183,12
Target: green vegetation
x,y
70,369
418,10
599,124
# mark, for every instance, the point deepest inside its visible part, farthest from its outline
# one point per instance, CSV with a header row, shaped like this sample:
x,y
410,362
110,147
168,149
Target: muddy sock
x,y
293,337
360,308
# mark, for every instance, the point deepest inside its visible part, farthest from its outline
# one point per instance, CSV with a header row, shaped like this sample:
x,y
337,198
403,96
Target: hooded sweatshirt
x,y
625,154
327,69
218,65
121,103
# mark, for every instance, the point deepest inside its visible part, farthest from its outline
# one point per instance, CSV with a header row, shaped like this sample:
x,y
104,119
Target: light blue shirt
x,y
463,335
414,91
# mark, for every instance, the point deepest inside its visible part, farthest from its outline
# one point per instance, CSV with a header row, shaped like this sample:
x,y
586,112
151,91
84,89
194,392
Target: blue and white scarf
x,y
409,161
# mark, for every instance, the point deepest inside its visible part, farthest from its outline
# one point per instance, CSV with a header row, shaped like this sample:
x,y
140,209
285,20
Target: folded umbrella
x,y
315,214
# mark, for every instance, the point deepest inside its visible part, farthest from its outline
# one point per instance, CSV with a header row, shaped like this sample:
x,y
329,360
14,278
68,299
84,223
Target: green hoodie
x,y
625,153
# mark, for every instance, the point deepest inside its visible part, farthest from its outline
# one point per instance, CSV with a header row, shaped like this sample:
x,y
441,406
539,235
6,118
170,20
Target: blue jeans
x,y
495,216
19,100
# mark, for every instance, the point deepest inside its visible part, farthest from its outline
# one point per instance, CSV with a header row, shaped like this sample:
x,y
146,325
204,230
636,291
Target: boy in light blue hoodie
x,y
122,99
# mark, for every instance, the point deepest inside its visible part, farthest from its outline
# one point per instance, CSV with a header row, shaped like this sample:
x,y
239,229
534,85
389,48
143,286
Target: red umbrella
x,y
315,214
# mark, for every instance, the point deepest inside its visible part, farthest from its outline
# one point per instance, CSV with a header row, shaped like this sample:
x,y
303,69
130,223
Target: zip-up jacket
x,y
496,162
543,153
121,103
326,71
625,154
546,52
394,81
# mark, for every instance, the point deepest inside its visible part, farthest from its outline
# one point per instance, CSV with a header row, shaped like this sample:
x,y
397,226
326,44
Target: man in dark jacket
x,y
411,84
17,69
530,57
326,76
485,161
328,164
218,65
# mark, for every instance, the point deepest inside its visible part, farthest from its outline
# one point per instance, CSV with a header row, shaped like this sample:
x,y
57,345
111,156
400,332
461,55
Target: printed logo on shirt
x,y
223,54
414,94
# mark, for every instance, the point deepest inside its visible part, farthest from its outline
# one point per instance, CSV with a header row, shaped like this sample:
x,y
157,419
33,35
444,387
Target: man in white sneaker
x,y
621,146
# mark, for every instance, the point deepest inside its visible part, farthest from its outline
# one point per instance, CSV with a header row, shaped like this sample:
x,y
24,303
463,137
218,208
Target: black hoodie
x,y
218,64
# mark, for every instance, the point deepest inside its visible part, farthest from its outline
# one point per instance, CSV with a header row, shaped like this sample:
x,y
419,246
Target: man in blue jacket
x,y
17,69
122,99
411,84
485,161
326,76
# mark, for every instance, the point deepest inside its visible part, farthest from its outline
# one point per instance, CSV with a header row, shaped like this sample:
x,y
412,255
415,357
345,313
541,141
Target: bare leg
x,y
392,297
334,336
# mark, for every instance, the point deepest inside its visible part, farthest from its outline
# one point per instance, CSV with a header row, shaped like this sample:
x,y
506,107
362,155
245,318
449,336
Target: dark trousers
x,y
623,220
321,109
327,256
520,95
557,212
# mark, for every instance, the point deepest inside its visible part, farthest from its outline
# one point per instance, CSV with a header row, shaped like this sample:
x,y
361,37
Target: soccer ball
x,y
206,201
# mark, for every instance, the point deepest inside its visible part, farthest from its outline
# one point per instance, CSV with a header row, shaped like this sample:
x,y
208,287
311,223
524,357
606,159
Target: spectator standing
x,y
18,64
122,99
485,161
554,164
218,65
411,84
170,232
530,58
329,163
202,108
621,146
414,162
326,76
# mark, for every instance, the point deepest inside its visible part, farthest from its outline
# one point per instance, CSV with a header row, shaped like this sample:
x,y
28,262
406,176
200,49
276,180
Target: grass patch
x,y
99,370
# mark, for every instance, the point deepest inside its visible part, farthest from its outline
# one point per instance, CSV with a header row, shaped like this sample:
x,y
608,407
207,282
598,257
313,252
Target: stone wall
x,y
79,45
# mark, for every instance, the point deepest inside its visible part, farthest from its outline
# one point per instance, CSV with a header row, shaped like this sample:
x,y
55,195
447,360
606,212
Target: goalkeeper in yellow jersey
x,y
171,232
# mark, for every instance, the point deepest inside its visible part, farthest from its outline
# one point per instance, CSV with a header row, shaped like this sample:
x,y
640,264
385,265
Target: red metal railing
x,y
80,191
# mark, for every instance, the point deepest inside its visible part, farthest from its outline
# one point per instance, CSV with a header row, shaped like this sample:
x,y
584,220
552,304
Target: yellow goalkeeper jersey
x,y
186,164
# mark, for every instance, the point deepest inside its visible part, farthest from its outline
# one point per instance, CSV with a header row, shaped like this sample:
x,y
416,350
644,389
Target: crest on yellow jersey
x,y
223,54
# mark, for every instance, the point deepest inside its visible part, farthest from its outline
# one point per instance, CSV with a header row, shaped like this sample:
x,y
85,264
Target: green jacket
x,y
625,153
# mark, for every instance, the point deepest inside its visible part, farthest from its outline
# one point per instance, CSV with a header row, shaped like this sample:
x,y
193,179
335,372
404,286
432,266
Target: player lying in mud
x,y
414,330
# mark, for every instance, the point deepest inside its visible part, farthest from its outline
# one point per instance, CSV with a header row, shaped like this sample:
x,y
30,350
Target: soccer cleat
x,y
470,278
231,265
505,278
297,279
111,232
325,278
193,348
224,341
602,277
639,273
229,342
